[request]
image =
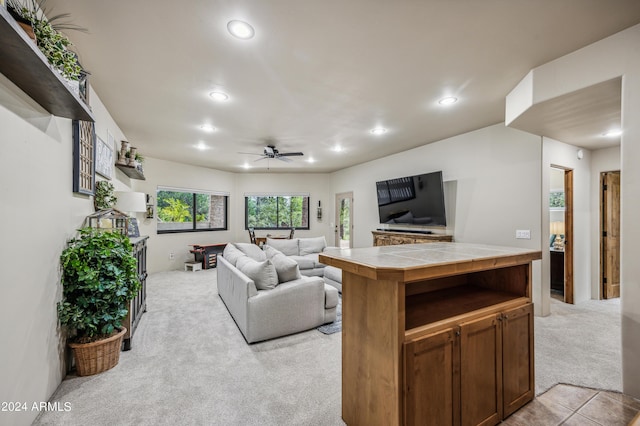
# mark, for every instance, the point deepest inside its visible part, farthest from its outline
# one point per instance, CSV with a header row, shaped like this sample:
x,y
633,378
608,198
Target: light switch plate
x,y
523,234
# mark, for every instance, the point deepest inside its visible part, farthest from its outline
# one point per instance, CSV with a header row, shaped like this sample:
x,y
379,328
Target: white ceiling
x,y
320,73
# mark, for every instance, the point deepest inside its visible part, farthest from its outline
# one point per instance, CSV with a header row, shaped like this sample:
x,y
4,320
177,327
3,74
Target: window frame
x,y
276,196
193,206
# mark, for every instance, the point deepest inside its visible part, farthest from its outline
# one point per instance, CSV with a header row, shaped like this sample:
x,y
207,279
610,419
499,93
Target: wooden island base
x,y
435,334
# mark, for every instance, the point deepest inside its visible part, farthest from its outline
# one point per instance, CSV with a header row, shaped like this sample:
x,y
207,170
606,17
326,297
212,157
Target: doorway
x,y
344,220
561,233
610,234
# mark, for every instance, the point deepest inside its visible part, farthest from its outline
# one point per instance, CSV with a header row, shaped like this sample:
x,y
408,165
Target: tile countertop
x,y
410,262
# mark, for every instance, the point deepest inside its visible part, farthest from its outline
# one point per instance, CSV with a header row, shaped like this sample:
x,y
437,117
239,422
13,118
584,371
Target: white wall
x,y
38,214
602,160
614,56
565,155
492,183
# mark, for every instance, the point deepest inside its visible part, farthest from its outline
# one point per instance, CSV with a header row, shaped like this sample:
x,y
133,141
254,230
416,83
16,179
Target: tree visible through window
x,y
277,212
182,211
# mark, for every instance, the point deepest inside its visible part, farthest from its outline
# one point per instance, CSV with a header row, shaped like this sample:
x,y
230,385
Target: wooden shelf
x,y
427,308
132,172
22,62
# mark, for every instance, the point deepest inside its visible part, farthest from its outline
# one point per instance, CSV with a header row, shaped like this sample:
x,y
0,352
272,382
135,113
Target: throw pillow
x,y
263,274
287,247
312,245
232,254
252,250
286,268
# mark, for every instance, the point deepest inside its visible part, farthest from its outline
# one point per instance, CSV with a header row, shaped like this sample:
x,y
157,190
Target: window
x,y
276,211
181,210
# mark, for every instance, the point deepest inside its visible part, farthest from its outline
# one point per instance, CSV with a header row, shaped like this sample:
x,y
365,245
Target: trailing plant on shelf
x,y
52,43
99,278
104,198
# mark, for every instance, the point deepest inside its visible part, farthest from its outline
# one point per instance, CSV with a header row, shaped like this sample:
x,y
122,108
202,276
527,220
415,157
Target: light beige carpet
x,y
190,365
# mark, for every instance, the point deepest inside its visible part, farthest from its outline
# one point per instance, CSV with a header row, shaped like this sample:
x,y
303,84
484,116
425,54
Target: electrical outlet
x,y
523,234
172,255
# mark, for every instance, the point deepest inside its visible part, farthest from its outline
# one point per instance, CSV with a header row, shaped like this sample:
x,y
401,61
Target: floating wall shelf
x,y
132,172
22,62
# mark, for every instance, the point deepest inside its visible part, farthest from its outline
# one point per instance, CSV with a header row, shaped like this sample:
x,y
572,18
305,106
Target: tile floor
x,y
575,406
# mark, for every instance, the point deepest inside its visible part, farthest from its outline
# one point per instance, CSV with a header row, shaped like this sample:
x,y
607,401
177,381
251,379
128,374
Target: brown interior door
x,y
610,237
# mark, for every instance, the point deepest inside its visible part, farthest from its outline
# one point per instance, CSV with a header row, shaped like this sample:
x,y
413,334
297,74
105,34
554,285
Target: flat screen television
x,y
412,200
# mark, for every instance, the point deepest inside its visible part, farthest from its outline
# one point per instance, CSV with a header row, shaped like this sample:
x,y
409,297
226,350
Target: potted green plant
x,y
103,197
48,36
99,278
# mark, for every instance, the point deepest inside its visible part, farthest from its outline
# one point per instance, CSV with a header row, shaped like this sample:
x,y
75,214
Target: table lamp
x,y
131,202
557,228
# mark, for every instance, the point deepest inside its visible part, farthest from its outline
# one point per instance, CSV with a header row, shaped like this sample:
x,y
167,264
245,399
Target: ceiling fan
x,y
270,151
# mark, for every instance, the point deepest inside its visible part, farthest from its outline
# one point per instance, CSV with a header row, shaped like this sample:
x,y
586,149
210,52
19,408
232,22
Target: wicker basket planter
x,y
96,357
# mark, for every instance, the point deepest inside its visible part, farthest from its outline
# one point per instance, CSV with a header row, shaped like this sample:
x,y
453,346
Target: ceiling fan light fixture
x,y
378,131
448,100
240,29
219,96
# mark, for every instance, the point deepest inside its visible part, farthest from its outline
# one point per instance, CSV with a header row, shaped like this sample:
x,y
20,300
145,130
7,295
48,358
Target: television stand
x,y
391,238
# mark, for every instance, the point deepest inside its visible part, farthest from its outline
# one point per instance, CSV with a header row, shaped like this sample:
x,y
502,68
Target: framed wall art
x,y
84,156
104,158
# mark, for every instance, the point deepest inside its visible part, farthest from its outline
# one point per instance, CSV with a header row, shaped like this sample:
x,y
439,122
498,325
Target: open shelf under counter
x,y
22,62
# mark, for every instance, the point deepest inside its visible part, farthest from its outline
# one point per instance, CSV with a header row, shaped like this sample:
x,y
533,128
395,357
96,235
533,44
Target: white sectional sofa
x,y
269,298
305,252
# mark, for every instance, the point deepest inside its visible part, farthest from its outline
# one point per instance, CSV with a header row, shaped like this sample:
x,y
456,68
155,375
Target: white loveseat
x,y
269,298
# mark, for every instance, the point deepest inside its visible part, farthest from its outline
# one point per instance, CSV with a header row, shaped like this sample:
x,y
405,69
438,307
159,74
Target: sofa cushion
x,y
252,250
263,273
231,254
330,297
286,267
287,247
311,245
333,273
304,262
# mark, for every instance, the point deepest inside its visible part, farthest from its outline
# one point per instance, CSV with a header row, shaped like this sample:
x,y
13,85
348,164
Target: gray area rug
x,y
336,326
190,365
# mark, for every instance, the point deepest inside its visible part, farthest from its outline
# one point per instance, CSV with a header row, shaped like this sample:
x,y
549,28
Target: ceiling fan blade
x,y
261,158
290,154
249,153
285,159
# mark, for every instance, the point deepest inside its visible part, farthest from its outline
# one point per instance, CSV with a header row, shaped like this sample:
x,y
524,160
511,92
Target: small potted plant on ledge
x,y
99,278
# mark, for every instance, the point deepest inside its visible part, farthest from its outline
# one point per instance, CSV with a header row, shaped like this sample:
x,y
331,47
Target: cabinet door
x,y
481,371
432,380
517,358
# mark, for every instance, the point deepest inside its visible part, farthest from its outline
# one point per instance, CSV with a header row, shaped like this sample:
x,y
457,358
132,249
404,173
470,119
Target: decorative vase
x,y
122,156
96,357
132,156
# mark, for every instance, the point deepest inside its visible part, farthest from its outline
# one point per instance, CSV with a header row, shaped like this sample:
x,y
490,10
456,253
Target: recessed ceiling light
x,y
208,128
219,96
449,100
311,160
246,165
240,29
378,130
614,133
337,148
202,146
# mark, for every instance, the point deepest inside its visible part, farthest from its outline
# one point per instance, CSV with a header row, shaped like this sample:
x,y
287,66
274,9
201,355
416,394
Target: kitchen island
x,y
435,334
